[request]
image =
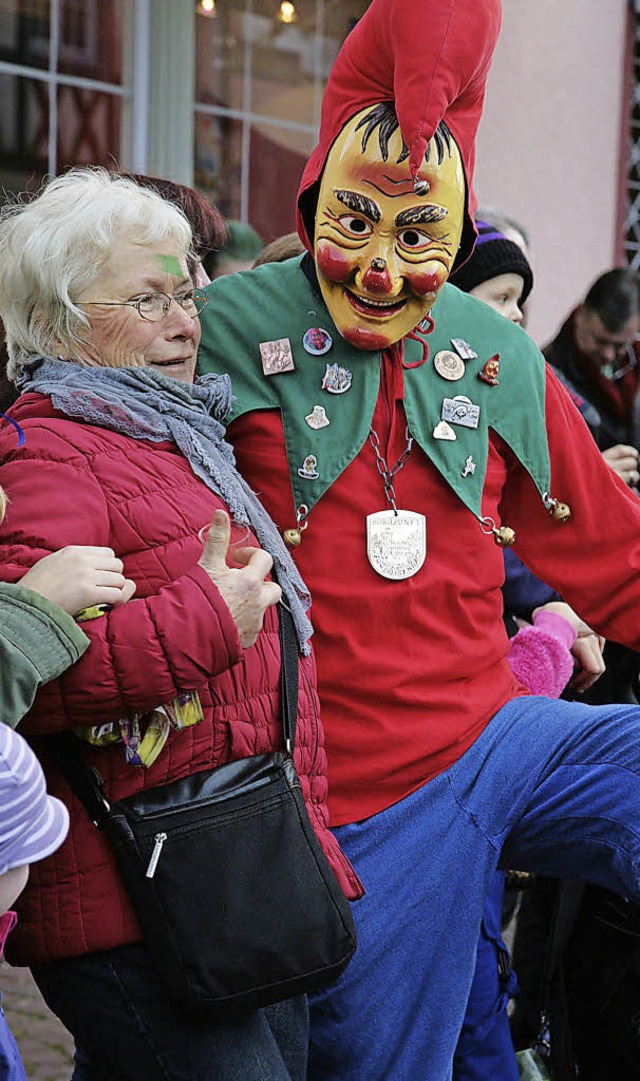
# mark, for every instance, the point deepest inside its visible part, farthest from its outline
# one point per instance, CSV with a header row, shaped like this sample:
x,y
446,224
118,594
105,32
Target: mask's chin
x,y
368,324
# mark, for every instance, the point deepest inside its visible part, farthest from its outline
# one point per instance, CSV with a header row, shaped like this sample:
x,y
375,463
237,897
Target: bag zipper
x,y
160,838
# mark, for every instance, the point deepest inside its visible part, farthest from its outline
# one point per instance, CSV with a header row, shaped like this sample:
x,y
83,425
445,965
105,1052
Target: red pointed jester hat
x,y
431,58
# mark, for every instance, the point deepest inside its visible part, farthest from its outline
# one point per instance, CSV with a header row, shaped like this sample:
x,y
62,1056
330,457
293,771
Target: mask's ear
x,y
432,58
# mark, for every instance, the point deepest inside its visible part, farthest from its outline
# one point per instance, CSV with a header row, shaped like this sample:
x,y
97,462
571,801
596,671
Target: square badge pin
x,y
276,356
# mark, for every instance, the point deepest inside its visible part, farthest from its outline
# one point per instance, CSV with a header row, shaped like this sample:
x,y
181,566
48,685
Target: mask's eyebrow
x,y
360,204
421,215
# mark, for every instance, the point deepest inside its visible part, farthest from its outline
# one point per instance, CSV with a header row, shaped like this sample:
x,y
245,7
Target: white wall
x,y
549,142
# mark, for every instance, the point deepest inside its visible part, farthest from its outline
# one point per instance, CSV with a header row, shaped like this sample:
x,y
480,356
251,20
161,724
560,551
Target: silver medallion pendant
x,y
396,542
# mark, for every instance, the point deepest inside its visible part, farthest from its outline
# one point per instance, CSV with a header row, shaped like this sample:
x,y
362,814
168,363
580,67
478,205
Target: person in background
x,y
498,272
513,230
597,350
284,247
242,245
102,333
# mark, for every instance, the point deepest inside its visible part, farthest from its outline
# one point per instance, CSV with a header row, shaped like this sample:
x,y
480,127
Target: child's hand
x,y
78,577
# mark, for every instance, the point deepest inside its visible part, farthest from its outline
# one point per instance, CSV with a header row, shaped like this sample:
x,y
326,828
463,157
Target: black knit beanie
x,y
493,255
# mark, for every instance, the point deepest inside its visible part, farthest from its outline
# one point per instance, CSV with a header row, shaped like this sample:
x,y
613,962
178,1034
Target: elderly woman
x,y
124,450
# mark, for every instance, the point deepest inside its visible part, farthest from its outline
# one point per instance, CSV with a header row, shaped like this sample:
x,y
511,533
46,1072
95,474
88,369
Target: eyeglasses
x,y
155,306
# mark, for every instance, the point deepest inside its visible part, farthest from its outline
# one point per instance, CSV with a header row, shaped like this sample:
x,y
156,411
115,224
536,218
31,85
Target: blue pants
x,y
485,1048
549,786
128,1030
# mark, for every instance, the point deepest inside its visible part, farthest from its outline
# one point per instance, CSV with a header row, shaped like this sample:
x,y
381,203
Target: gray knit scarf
x,y
144,404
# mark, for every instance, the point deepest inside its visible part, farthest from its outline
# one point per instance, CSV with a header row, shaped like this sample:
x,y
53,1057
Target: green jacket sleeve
x,y
38,641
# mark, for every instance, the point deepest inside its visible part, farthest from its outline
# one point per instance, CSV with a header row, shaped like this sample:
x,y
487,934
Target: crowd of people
x,y
356,426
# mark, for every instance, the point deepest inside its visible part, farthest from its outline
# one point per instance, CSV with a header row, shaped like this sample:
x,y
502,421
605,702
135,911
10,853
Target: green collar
x,y
276,301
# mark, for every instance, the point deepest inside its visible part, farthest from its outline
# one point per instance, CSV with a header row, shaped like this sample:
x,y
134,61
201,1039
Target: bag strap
x,y
85,783
288,677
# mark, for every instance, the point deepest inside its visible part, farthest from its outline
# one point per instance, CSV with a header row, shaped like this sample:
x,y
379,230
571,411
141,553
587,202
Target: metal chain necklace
x,y
396,539
382,467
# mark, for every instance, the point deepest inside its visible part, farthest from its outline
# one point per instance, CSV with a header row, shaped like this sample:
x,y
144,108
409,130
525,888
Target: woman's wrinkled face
x,y
120,337
382,252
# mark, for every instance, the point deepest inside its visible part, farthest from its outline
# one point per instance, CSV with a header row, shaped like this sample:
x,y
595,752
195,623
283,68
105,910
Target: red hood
x,y
431,58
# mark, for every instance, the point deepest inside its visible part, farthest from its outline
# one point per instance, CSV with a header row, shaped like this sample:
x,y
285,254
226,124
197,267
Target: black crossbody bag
x,y
235,897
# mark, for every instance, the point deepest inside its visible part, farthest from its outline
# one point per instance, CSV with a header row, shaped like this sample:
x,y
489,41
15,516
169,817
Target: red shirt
x,y
410,672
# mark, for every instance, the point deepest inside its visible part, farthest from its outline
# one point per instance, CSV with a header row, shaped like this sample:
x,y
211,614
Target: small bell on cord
x,y
560,512
292,537
503,535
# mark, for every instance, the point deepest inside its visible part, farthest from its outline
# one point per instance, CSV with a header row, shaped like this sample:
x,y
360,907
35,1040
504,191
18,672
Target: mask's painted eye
x,y
355,226
414,239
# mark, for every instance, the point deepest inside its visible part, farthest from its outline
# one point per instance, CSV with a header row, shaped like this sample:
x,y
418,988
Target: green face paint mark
x,y
170,265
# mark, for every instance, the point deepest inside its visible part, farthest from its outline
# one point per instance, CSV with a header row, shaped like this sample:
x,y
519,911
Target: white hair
x,y
54,246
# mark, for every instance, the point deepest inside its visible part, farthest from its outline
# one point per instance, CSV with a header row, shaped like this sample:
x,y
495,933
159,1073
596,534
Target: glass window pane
x,y
219,56
218,161
88,127
90,38
24,32
253,60
276,160
24,127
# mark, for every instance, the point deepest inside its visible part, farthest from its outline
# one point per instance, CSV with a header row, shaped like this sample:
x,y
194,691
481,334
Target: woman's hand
x,y
78,577
243,589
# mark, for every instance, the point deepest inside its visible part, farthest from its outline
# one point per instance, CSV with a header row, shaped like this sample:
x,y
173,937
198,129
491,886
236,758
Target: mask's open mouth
x,y
379,309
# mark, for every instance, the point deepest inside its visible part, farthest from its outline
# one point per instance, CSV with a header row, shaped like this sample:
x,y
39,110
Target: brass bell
x,y
504,536
561,512
292,537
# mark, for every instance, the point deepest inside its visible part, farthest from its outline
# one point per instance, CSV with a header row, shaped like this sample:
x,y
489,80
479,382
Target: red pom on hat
x,y
431,58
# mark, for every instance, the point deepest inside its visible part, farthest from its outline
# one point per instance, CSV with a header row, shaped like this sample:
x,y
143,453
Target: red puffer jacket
x,y
72,483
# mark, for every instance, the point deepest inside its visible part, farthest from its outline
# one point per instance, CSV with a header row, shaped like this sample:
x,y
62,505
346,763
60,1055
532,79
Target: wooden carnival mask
x,y
384,241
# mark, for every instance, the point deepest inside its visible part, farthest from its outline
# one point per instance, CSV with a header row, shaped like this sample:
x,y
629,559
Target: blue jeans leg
x,y
549,786
127,1029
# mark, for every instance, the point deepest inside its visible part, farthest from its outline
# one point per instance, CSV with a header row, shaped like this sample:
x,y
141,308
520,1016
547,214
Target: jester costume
x,y
414,433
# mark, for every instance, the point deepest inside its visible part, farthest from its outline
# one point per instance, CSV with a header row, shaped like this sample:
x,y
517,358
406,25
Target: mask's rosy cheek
x,y
424,281
333,263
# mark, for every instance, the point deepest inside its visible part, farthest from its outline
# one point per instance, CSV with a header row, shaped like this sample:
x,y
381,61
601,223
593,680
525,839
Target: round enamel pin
x,y
449,365
317,341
